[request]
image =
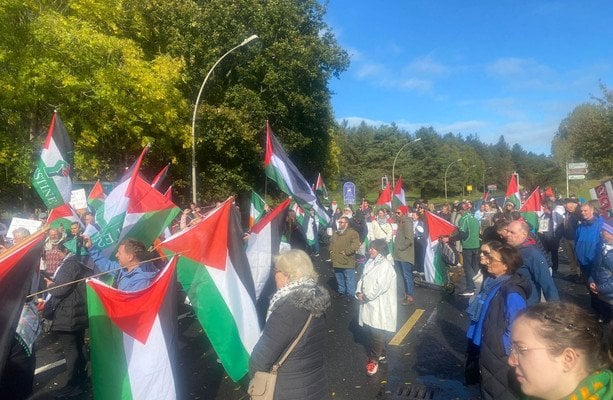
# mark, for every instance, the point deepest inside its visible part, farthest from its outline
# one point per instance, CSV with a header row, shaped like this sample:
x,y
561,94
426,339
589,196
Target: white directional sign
x,y
576,176
577,165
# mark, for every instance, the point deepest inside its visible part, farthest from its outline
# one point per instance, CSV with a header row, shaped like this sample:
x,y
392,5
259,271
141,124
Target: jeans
x,y
407,274
470,266
345,280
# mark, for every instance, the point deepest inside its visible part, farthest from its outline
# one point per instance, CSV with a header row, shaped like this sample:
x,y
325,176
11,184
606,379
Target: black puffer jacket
x,y
70,300
302,376
497,379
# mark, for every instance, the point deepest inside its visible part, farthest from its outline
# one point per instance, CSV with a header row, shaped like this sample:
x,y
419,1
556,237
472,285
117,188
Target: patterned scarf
x,y
308,283
597,386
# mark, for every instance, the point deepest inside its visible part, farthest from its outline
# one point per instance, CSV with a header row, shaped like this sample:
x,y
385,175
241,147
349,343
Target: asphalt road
x,y
426,364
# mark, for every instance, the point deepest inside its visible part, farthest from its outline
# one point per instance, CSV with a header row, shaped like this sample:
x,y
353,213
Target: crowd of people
x,y
517,325
509,262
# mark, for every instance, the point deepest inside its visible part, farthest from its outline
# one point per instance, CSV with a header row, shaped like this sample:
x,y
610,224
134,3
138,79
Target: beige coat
x,y
378,285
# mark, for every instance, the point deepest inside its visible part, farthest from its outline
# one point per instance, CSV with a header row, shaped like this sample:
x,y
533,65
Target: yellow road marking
x,y
406,328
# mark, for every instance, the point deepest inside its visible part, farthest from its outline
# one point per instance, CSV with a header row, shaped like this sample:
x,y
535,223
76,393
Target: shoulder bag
x,y
262,385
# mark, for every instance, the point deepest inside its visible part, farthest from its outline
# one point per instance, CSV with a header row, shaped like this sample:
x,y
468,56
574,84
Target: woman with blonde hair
x,y
558,352
298,302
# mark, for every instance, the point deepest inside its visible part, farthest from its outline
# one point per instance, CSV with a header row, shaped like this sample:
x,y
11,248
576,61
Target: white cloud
x,y
428,66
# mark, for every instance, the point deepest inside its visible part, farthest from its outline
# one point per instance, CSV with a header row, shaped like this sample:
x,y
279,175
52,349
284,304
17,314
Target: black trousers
x,y
377,343
73,344
18,376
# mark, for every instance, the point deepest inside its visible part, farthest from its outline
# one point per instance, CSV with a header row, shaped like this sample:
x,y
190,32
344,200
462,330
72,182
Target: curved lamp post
x,y
244,42
396,158
447,170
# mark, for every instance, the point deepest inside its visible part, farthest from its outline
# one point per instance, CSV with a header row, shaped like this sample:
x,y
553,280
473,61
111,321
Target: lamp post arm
x,y
244,42
396,158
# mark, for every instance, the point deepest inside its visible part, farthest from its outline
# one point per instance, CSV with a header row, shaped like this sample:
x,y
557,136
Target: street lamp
x,y
466,177
447,170
244,42
396,158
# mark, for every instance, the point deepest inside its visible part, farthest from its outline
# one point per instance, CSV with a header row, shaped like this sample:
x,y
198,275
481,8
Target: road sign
x,y
349,193
577,171
576,176
577,165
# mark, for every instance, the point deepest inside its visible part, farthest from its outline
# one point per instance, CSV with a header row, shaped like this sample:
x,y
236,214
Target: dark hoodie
x,y
302,376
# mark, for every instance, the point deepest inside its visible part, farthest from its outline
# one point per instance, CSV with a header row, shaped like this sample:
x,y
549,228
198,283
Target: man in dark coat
x,y
67,309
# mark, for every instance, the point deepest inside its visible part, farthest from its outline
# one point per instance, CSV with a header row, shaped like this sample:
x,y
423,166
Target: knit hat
x,y
403,209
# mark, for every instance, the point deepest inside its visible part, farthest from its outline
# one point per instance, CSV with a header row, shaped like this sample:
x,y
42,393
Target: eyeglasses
x,y
517,351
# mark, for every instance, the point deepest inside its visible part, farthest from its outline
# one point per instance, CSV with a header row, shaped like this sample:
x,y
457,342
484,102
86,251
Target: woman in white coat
x,y
376,292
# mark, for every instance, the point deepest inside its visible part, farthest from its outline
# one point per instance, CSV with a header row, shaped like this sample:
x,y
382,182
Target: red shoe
x,y
371,367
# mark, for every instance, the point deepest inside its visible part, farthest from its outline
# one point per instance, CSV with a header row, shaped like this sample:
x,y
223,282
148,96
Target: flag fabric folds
x,y
263,245
159,178
18,266
399,198
512,193
256,211
133,209
320,187
63,215
214,271
434,266
96,197
279,168
385,198
531,209
133,339
52,176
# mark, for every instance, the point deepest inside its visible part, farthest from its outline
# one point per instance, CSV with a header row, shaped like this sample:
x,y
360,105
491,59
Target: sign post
x,y
575,170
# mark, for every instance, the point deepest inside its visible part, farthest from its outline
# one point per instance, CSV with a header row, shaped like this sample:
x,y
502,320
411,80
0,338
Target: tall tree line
x,y
124,73
367,154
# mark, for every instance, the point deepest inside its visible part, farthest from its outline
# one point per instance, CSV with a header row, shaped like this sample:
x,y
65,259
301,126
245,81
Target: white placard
x,y
31,225
78,199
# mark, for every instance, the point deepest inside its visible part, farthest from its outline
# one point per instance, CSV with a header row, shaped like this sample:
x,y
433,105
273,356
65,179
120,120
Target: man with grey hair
x,y
535,267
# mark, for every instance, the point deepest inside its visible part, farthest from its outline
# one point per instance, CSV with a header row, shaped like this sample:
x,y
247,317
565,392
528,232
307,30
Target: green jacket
x,y
469,224
343,247
403,245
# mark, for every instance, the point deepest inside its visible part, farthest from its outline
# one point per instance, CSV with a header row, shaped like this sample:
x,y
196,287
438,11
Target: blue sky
x,y
491,68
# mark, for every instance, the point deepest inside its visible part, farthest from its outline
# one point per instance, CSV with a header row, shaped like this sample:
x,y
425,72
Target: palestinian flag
x,y
320,187
133,209
512,193
399,198
168,193
434,266
531,209
96,197
52,176
63,215
257,208
159,178
385,198
263,244
279,168
133,339
214,271
18,265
